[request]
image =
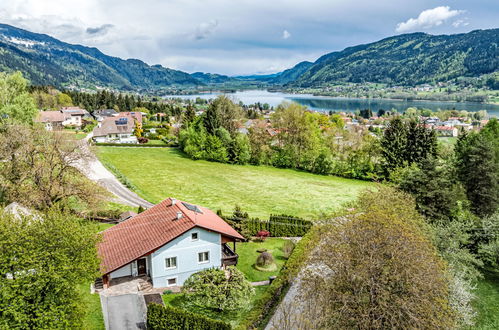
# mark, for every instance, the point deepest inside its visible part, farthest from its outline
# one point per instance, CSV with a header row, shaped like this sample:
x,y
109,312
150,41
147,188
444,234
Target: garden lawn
x,y
247,252
259,190
232,317
93,319
487,302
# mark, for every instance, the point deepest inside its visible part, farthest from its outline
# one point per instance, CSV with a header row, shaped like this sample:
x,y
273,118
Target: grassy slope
x,y
260,190
248,254
487,303
93,319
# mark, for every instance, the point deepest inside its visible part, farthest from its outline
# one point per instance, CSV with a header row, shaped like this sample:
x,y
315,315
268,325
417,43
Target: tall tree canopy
x,y
43,258
378,269
478,168
38,169
16,104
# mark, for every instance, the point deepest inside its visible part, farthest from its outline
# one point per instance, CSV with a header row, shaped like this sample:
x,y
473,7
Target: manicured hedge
x,y
264,308
279,226
171,318
133,145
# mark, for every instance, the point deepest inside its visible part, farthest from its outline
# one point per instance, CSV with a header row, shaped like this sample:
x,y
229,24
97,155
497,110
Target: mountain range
x,y
406,59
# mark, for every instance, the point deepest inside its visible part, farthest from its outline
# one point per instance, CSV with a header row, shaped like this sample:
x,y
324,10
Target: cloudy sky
x,y
238,37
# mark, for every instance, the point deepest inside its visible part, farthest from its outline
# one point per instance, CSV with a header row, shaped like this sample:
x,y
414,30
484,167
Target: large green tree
x,y
38,169
437,192
377,269
404,144
478,170
43,259
16,103
222,112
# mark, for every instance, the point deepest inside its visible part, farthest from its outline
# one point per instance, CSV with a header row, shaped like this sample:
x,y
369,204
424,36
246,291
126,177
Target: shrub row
x,y
279,226
132,145
171,318
264,307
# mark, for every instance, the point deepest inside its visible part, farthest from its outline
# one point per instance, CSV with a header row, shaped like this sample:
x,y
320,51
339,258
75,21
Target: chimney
x,y
174,201
179,215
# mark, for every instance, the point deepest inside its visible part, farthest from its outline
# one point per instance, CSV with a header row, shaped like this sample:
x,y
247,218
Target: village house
x,y
446,131
99,115
117,129
167,243
66,117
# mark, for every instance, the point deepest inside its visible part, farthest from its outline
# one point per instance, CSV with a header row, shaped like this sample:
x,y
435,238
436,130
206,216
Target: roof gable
x,y
153,228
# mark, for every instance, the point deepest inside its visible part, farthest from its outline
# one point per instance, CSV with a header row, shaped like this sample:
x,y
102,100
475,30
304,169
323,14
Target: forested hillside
x,y
408,59
48,61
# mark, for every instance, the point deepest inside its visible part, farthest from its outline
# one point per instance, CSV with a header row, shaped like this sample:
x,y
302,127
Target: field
x,y
487,302
259,190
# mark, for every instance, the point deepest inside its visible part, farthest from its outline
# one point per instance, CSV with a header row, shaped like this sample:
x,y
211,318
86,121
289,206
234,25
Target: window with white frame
x,y
203,257
194,236
171,281
171,263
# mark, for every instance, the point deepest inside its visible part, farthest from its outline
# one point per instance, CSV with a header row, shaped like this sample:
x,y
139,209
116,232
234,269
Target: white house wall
x,y
123,271
186,252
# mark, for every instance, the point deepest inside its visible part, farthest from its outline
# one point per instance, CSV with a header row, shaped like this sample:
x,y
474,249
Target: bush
x,y
170,318
263,234
279,226
265,259
142,140
287,248
218,289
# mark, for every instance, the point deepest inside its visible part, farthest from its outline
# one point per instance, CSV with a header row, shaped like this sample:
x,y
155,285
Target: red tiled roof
x,y
51,116
153,228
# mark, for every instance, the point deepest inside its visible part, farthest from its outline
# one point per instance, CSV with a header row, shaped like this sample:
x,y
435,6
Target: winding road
x,y
95,171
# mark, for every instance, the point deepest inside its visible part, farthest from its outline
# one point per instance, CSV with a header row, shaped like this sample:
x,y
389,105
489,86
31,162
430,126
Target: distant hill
x,y
408,59
211,78
282,77
45,60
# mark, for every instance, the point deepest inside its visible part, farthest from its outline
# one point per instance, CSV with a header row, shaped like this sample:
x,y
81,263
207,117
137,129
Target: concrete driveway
x,y
124,312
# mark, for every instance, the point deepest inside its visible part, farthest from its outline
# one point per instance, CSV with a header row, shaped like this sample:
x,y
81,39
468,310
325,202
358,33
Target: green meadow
x,y
159,173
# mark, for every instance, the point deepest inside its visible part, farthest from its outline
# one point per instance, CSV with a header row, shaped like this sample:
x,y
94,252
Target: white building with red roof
x,y
168,243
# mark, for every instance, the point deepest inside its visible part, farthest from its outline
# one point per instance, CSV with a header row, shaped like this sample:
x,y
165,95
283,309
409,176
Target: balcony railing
x,y
229,257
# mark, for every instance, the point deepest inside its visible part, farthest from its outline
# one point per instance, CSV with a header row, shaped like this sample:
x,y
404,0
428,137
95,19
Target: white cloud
x,y
205,29
428,18
460,22
286,34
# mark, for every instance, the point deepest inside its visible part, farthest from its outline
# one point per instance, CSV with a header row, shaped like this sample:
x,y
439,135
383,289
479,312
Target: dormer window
x,y
194,236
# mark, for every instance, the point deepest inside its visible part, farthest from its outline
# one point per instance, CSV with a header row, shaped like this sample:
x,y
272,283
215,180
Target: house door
x,y
142,267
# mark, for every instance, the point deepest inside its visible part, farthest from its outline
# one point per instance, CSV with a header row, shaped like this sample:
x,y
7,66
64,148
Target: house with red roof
x,y
167,243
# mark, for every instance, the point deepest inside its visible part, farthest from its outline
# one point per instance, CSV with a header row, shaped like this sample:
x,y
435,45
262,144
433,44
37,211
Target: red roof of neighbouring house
x,y
51,116
153,228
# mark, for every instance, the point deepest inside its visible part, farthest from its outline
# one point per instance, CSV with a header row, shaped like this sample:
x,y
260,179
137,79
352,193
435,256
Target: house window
x,y
171,263
203,257
194,236
171,281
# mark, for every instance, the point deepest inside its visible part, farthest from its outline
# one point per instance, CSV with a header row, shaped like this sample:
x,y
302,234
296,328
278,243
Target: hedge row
x,y
171,318
264,308
133,145
279,226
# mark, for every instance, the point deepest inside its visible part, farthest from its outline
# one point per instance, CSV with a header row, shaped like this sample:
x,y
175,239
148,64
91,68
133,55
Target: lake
x,y
326,103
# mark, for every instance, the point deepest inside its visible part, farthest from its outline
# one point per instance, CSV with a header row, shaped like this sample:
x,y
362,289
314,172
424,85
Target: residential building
x,y
167,243
99,115
66,117
115,130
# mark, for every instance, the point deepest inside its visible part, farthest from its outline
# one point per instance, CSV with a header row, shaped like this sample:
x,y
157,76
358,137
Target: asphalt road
x,y
124,312
95,171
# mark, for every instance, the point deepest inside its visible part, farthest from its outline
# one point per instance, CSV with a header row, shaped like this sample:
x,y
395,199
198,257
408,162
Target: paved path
x,y
95,171
124,312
